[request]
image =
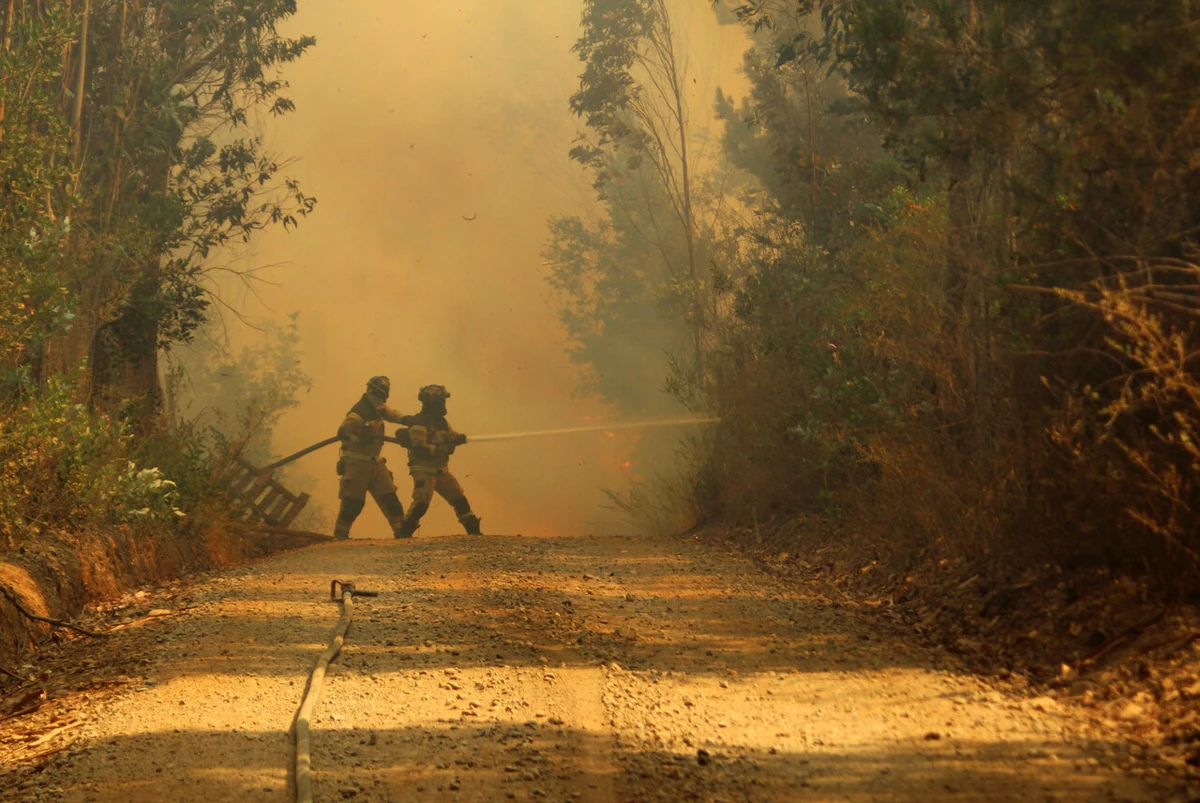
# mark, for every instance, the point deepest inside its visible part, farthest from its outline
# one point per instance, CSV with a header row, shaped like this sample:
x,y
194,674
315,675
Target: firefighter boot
x,y
406,528
346,516
465,517
394,511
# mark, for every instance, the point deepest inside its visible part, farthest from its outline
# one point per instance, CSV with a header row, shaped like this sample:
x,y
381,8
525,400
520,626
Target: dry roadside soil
x,y
532,669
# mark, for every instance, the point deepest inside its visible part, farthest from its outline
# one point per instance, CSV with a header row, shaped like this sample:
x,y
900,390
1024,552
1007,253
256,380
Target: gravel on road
x,y
536,669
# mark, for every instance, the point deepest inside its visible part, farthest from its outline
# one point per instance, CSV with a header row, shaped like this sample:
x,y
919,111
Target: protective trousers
x,y
359,478
425,484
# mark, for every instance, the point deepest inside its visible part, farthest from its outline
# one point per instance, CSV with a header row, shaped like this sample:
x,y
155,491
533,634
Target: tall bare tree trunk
x,y
689,225
671,66
124,352
6,42
81,73
812,142
957,263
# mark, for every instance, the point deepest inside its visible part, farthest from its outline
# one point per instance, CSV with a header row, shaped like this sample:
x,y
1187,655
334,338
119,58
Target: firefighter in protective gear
x,y
360,466
431,441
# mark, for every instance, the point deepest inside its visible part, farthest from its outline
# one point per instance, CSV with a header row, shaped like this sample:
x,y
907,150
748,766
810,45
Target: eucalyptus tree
x,y
158,167
640,150
35,168
169,145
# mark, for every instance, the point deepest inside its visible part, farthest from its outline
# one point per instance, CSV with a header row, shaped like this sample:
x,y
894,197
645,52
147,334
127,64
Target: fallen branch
x,y
1120,639
31,702
28,614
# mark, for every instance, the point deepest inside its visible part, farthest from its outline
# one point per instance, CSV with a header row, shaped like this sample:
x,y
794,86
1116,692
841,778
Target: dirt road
x,y
507,668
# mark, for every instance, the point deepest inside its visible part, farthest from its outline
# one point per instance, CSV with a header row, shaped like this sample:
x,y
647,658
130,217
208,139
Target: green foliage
x,y
34,146
119,197
610,48
65,468
128,164
821,353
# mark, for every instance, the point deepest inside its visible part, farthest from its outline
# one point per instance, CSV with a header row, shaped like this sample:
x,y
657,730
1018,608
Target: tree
x,y
202,70
1052,145
818,164
632,99
161,172
34,168
240,394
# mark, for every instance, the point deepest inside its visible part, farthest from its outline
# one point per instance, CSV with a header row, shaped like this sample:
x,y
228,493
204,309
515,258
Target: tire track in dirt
x,y
566,669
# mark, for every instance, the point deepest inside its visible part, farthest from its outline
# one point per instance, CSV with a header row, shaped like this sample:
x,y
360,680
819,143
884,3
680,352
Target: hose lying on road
x,y
304,790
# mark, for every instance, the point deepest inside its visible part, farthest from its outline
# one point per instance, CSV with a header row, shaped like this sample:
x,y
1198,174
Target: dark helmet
x,y
380,386
430,393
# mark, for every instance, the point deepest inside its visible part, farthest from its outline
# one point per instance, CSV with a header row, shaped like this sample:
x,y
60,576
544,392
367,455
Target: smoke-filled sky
x,y
435,138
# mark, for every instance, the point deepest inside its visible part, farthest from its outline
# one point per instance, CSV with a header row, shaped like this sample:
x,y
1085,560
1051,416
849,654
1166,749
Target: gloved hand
x,y
458,439
403,437
354,433
360,434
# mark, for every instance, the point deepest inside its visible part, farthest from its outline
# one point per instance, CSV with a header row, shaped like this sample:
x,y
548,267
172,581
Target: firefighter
x,y
360,465
430,442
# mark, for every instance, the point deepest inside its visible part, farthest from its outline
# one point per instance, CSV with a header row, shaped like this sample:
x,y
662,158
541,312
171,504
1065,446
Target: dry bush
x,y
930,500
944,452
771,457
846,389
1129,445
660,495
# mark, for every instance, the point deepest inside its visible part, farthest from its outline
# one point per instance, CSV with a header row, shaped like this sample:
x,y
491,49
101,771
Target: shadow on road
x,y
533,761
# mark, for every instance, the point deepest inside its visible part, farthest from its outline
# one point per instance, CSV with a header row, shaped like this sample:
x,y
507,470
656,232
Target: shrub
x,y
64,467
1128,447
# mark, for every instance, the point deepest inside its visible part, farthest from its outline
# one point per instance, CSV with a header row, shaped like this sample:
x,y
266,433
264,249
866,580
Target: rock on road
x,y
545,669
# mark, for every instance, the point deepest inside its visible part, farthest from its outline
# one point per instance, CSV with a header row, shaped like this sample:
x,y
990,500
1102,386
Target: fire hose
x,y
675,422
304,789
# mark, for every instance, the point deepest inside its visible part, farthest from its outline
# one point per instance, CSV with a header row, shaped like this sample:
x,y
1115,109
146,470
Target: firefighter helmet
x,y
431,392
380,386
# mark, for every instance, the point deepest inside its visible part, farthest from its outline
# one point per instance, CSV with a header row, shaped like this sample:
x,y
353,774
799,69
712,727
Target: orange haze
x,y
435,137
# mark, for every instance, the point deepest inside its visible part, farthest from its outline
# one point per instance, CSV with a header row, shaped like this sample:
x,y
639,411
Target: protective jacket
x,y
362,430
431,441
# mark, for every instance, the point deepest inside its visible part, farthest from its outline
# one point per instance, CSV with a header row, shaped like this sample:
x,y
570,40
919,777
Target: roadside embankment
x,y
56,576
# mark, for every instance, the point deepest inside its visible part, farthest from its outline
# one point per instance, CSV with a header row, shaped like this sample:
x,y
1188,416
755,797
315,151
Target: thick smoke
x,y
435,137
